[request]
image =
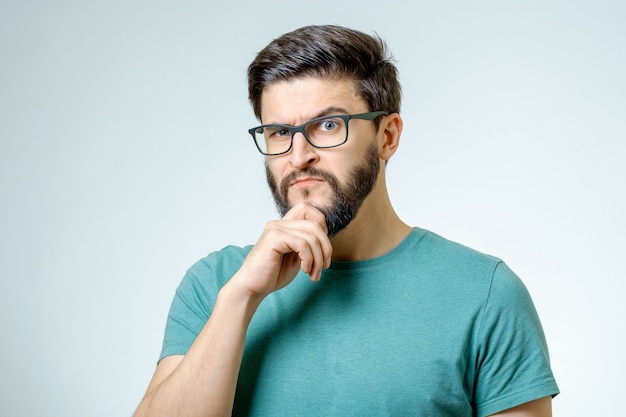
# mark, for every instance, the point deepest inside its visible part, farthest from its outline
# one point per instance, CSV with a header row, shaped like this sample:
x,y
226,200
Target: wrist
x,y
239,298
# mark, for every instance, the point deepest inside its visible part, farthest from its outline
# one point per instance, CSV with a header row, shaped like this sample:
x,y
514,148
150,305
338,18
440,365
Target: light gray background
x,y
124,158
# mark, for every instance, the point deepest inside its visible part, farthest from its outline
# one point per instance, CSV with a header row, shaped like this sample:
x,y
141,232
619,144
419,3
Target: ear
x,y
390,130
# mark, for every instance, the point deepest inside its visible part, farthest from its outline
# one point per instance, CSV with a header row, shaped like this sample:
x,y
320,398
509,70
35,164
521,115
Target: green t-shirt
x,y
431,328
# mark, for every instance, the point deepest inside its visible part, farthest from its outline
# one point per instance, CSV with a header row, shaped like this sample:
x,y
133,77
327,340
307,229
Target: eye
x,y
281,133
328,125
276,132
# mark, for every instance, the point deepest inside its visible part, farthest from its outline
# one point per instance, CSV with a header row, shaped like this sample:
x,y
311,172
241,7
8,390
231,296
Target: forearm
x,y
204,382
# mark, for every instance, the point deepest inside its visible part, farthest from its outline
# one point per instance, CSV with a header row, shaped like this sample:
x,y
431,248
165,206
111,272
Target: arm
x,y
537,408
514,373
203,382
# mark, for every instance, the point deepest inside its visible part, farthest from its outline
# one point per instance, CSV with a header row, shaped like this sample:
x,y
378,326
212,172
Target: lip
x,y
304,182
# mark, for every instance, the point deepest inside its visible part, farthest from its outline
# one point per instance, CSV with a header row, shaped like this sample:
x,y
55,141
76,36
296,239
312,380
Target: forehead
x,y
300,99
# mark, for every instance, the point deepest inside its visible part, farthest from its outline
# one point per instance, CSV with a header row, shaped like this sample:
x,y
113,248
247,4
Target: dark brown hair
x,y
328,51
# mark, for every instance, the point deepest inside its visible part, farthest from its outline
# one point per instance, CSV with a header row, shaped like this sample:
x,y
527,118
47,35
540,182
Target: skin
x,y
303,99
203,382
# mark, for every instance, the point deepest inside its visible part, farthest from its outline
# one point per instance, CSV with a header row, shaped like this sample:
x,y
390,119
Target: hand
x,y
297,241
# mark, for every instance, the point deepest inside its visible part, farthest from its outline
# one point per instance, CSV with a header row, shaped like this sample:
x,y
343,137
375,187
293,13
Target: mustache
x,y
306,172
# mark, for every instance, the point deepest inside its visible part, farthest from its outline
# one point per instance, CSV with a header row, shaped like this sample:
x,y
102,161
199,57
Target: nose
x,y
302,152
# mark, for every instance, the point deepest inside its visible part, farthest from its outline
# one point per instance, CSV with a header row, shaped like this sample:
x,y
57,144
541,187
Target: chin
x,y
307,197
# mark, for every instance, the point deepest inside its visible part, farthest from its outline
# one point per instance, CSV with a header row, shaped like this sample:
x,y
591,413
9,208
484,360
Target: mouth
x,y
306,182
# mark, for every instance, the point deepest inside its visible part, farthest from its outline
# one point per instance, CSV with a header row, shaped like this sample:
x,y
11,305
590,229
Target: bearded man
x,y
341,308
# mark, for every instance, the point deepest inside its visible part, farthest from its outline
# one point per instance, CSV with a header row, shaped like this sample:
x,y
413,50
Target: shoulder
x,y
217,267
450,257
223,258
474,274
439,245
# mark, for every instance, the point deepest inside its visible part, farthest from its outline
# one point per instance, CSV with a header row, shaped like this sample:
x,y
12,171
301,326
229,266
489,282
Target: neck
x,y
374,231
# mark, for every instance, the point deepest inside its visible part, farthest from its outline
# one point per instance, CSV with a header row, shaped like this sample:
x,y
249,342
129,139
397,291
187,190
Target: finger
x,y
307,212
307,240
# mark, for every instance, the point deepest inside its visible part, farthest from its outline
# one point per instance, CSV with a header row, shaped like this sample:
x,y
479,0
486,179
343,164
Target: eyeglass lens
x,y
323,133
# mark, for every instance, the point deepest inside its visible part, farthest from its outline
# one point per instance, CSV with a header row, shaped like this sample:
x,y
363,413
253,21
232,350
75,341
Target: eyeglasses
x,y
322,132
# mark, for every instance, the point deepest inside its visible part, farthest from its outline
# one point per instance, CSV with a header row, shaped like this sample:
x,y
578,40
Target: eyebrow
x,y
328,111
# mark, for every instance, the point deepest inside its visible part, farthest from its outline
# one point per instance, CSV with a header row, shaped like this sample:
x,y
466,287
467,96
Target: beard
x,y
346,199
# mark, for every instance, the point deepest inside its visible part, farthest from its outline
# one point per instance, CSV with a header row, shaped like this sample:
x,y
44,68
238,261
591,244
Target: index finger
x,y
303,211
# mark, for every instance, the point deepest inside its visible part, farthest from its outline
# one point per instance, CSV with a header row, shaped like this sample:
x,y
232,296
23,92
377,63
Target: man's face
x,y
337,180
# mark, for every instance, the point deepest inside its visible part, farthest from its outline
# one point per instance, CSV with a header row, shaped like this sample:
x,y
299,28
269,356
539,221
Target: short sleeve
x,y
195,297
190,309
513,365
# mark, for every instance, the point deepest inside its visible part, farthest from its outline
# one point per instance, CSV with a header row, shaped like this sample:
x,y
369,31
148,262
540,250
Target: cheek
x,y
345,165
270,174
279,165
273,170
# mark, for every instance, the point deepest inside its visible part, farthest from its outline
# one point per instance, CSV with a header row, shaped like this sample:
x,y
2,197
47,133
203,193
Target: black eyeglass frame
x,y
301,128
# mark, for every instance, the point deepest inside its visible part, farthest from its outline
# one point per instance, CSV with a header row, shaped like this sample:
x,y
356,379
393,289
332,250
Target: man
x,y
393,320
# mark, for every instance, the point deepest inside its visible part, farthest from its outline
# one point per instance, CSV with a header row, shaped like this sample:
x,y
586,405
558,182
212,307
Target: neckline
x,y
413,237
